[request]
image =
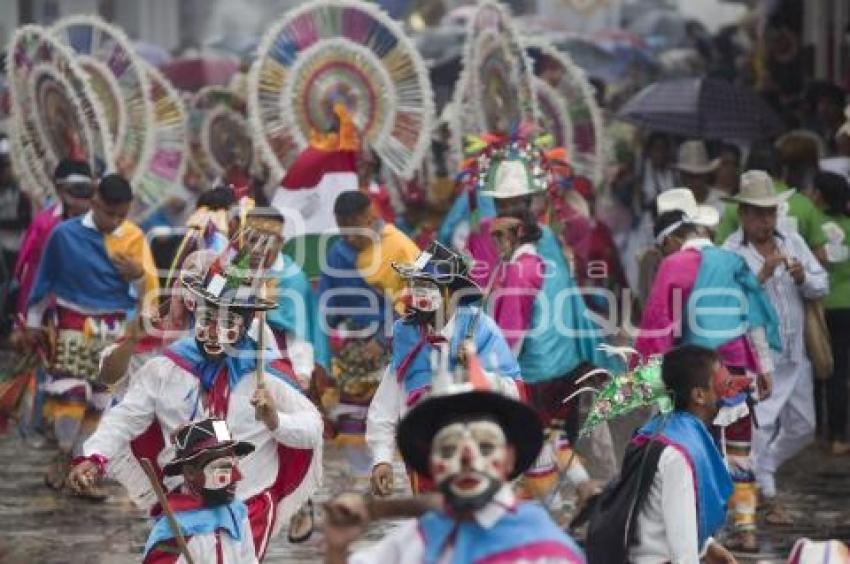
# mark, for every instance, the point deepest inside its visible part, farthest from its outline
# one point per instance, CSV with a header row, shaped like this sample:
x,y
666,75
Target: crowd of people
x,y
208,356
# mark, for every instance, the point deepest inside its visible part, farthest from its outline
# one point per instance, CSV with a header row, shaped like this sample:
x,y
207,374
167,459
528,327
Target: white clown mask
x,y
220,473
425,296
217,328
469,462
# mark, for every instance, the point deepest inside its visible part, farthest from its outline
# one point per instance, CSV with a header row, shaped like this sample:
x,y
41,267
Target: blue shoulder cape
x,y
525,533
229,518
493,350
713,483
297,310
185,353
566,334
724,283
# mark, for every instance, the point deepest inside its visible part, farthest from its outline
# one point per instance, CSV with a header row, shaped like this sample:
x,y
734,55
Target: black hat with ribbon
x,y
203,437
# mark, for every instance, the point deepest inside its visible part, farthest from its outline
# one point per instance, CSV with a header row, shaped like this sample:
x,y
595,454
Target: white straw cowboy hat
x,y
682,199
693,158
757,190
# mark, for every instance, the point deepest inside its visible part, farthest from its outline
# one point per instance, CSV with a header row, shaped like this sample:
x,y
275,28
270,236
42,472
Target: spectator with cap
x,y
696,172
704,218
798,212
789,274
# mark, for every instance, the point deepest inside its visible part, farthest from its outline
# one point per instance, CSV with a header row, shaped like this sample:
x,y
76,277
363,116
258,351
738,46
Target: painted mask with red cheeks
x,y
425,296
469,463
726,385
216,329
216,483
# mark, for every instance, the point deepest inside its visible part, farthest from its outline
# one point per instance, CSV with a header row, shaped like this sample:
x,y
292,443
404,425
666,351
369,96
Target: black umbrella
x,y
705,108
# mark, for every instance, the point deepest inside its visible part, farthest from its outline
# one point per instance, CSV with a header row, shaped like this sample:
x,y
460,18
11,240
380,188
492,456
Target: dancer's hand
x,y
765,386
346,518
129,269
382,479
718,554
83,476
264,408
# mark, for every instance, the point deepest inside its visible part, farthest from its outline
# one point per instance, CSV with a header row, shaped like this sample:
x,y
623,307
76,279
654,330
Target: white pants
x,y
786,422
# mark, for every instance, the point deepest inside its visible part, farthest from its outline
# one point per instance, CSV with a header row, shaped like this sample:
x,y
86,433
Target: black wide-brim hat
x,y
444,267
202,438
520,423
242,297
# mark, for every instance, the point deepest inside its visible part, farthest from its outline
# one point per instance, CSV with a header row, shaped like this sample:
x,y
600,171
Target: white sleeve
x,y
301,356
758,339
816,284
678,506
404,544
131,417
299,422
382,419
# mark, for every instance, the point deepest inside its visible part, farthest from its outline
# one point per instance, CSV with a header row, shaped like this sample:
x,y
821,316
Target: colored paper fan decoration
x,y
163,173
639,387
495,91
31,178
553,114
58,115
118,79
219,134
347,51
588,137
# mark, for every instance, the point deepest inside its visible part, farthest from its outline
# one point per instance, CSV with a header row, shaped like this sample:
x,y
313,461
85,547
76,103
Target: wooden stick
x,y
166,510
261,345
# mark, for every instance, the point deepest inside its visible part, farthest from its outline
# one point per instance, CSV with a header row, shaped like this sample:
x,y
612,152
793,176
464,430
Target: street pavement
x,y
38,526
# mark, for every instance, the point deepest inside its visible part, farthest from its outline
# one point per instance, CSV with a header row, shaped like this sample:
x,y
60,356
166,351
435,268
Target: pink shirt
x,y
662,317
32,247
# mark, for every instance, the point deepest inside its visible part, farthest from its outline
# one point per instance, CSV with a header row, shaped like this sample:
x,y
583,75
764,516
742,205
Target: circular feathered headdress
x,y
57,115
340,51
587,138
219,135
495,90
120,83
554,115
170,148
519,163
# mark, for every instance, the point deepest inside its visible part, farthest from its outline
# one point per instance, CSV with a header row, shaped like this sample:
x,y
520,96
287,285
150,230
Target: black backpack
x,y
611,515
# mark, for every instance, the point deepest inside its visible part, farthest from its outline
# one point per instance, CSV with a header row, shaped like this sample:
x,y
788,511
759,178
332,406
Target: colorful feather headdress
x,y
623,393
543,164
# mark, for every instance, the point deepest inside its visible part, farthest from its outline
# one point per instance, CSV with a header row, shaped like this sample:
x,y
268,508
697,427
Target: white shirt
x,y
404,545
164,391
203,547
667,529
785,295
389,404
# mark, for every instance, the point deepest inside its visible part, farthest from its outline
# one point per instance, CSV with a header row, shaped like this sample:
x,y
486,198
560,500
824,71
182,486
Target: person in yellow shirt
x,y
360,296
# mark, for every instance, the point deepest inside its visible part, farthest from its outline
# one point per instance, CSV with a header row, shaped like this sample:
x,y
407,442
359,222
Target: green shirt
x,y
839,272
809,218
